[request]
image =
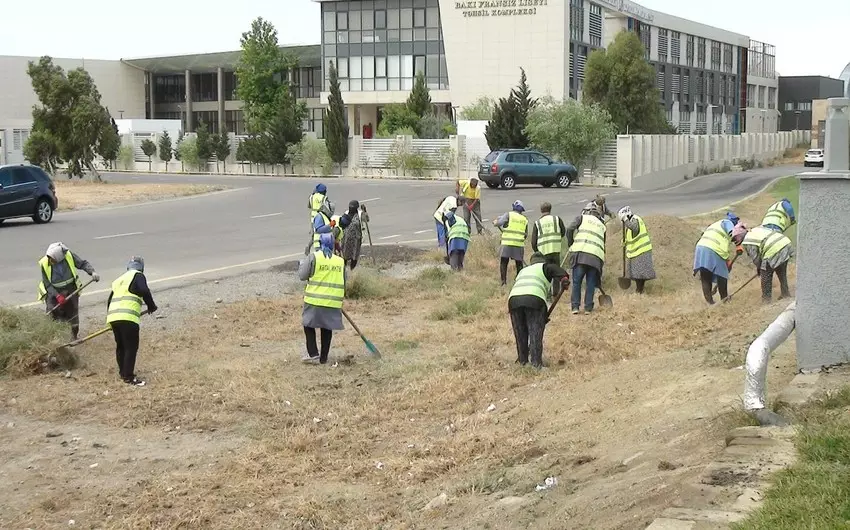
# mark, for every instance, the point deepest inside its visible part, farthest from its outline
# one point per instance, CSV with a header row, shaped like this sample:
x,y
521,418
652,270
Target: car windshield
x,y
491,157
815,152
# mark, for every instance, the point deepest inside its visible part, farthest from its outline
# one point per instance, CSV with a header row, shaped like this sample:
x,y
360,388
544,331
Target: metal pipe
x,y
758,356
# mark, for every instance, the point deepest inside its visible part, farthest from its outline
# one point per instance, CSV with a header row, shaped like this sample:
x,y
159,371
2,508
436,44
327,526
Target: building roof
x,y
308,56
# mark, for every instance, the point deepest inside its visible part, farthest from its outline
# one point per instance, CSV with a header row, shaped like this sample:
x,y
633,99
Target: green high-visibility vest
x,y
716,239
776,215
549,234
639,244
316,236
48,271
769,242
590,237
459,230
531,281
514,234
326,287
124,306
316,201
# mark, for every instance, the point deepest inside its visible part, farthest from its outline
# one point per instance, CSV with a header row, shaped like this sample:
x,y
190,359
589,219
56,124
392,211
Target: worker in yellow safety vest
x,y
711,257
325,275
124,316
586,240
638,249
323,223
547,237
59,280
770,251
458,239
779,216
527,307
319,195
514,227
469,197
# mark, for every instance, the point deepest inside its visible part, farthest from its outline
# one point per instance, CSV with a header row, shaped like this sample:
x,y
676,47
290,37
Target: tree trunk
x,y
95,176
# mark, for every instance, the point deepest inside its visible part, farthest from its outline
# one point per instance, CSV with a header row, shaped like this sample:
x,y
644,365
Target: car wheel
x,y
805,164
548,184
43,212
564,180
508,181
492,185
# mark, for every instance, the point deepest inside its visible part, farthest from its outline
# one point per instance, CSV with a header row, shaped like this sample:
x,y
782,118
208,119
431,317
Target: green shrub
x,y
126,156
364,285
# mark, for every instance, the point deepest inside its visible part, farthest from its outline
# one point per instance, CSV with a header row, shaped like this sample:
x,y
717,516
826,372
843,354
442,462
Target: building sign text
x,y
629,8
499,8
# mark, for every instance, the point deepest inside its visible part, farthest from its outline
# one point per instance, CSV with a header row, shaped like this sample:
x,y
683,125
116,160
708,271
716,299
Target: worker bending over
x,y
638,247
59,279
469,196
779,216
770,252
527,307
514,227
446,205
711,257
325,275
586,240
458,239
124,314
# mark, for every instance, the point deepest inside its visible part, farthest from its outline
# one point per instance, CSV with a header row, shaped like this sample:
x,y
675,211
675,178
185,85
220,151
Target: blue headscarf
x,y
321,188
732,217
326,241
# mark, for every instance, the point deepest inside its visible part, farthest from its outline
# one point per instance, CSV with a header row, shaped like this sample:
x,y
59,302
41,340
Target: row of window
x,y
669,50
594,35
798,105
405,18
235,123
393,66
756,97
306,83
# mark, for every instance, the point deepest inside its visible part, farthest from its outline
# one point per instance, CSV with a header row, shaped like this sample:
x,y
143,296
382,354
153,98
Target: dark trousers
x,y
767,282
312,348
705,278
468,217
529,325
639,286
126,347
456,259
590,276
503,268
69,312
554,259
352,263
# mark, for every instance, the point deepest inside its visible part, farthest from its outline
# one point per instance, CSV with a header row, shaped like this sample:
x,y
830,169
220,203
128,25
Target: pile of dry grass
x,y
29,341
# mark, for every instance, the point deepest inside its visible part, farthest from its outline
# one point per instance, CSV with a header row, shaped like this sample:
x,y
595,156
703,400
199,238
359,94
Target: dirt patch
x,y
79,195
729,477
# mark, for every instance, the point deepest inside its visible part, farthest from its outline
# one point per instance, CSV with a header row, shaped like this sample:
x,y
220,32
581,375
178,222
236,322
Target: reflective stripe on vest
x,y
776,215
124,306
326,287
531,281
590,237
549,234
639,244
514,234
316,236
769,242
459,230
717,239
316,201
48,273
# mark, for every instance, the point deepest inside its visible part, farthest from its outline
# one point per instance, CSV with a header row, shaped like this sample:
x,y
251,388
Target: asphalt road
x,y
259,222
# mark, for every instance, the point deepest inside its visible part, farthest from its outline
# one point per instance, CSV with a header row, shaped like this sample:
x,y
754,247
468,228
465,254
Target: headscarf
x,y
353,206
518,207
739,232
327,208
56,251
136,263
451,202
625,213
321,188
537,257
326,242
732,217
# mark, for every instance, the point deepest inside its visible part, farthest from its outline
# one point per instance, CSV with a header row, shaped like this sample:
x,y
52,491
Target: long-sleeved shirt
x,y
139,287
581,258
307,267
60,272
504,219
551,272
534,235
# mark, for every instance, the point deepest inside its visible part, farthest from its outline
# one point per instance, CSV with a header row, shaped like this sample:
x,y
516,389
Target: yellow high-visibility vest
x,y
316,200
44,262
514,234
776,215
459,230
769,242
468,192
639,244
590,237
549,234
124,306
531,281
316,236
326,286
717,239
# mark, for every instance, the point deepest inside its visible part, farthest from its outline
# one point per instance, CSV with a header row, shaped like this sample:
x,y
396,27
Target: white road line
x,y
413,241
485,220
120,235
422,231
390,237
266,215
370,200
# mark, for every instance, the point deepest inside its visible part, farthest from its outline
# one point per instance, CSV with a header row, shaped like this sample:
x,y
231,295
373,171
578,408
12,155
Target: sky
x,y
810,37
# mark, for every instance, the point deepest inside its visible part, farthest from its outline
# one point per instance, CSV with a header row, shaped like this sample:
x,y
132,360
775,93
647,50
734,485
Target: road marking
x,y
370,200
415,241
390,237
120,235
422,231
187,275
174,199
266,215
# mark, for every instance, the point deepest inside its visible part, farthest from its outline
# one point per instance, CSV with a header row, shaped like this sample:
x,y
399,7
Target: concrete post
x,y
190,126
676,115
823,336
220,82
151,95
625,160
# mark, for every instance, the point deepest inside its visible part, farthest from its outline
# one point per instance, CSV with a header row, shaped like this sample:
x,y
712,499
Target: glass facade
x,y
169,88
205,87
380,45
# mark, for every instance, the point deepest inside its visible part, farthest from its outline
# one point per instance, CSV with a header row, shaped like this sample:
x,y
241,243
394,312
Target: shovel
x,y
373,350
741,287
478,220
624,282
604,299
554,303
93,335
75,293
371,248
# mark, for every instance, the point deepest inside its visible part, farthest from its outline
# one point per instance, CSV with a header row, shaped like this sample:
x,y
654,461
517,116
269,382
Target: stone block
x,y
710,516
671,524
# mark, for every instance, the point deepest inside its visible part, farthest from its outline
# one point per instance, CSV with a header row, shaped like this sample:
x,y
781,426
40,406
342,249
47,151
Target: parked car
x,y
26,191
814,157
509,167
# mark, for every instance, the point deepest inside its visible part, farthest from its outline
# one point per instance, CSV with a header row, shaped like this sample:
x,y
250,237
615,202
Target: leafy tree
x,y
481,109
623,82
506,129
126,156
203,145
336,131
419,100
149,149
166,151
109,144
396,117
69,123
570,131
433,126
188,149
42,149
177,154
312,153
221,148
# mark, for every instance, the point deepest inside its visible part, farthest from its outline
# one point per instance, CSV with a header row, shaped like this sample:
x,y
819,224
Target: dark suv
x,y
26,191
509,167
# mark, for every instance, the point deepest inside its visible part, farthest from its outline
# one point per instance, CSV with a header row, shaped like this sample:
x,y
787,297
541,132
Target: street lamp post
x,y
763,114
797,123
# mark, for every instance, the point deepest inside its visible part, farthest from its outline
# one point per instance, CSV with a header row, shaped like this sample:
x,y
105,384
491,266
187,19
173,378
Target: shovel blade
x,y
624,283
605,300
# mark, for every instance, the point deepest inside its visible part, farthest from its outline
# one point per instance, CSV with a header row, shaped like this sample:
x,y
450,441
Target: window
x,y
432,18
355,67
353,21
727,57
789,105
368,20
380,67
577,20
751,95
19,138
406,18
368,67
432,67
230,84
169,88
701,52
233,120
595,26
771,97
380,19
675,47
662,45
20,175
407,66
330,21
805,106
342,67
761,97
537,158
715,55
208,118
418,18
394,66
689,50
519,158
5,177
204,87
342,20
419,64
392,18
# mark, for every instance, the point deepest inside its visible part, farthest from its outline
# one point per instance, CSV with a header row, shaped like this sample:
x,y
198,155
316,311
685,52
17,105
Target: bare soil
x,y
83,194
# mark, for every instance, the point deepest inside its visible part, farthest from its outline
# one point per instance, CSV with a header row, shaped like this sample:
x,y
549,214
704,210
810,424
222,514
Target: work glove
x,y
739,250
152,309
565,281
95,276
60,299
333,223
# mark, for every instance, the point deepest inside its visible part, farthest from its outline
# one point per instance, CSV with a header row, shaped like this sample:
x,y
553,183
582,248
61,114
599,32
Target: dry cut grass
x,y
82,194
29,340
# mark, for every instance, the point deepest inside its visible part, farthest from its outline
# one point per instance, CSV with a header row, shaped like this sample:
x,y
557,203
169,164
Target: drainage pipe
x,y
758,357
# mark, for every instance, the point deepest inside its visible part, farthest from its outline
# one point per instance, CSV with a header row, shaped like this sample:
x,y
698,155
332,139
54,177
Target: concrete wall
x,y
655,161
121,87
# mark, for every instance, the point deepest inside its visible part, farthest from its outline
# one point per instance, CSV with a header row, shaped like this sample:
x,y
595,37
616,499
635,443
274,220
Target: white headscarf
x,y
56,251
625,213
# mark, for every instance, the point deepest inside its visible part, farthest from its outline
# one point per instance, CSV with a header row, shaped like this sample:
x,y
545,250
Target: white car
x,y
814,157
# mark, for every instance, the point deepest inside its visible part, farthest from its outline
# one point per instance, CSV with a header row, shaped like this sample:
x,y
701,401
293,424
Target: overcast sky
x,y
810,37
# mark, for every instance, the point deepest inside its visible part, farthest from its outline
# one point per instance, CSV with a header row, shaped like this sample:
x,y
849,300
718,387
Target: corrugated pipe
x,y
758,357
